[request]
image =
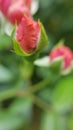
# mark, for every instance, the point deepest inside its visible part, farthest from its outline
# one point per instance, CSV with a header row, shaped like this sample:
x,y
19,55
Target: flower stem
x,y
40,103
14,92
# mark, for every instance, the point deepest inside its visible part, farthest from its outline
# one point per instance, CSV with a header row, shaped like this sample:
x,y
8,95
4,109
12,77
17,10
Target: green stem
x,y
17,92
40,103
41,85
8,94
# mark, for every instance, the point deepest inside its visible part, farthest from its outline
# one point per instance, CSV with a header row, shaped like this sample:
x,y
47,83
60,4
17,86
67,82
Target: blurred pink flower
x,y
4,6
15,14
14,10
63,51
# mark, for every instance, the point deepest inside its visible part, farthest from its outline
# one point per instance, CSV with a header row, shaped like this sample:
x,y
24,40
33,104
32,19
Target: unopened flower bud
x,y
62,51
31,36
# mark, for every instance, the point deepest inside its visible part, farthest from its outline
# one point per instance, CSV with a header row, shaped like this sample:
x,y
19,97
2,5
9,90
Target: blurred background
x,y
50,108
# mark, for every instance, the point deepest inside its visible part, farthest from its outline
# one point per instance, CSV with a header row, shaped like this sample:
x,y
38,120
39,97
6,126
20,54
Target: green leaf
x,y
5,75
18,115
52,121
10,122
22,107
63,94
45,94
5,41
70,122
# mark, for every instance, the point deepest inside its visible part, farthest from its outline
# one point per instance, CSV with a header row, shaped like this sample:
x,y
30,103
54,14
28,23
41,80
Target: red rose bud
x,y
65,52
30,35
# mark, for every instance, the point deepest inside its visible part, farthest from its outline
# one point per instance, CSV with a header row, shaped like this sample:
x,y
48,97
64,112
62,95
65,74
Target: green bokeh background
x,y
51,107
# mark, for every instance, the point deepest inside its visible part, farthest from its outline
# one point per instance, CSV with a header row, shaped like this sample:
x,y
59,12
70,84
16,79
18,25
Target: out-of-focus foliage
x,y
58,19
51,107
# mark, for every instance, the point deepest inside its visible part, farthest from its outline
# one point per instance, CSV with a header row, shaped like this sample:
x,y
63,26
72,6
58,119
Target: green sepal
x,y
60,43
43,38
18,49
56,65
30,57
13,31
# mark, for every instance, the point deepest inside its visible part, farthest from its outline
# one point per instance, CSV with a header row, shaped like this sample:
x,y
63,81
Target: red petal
x,y
62,51
27,34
